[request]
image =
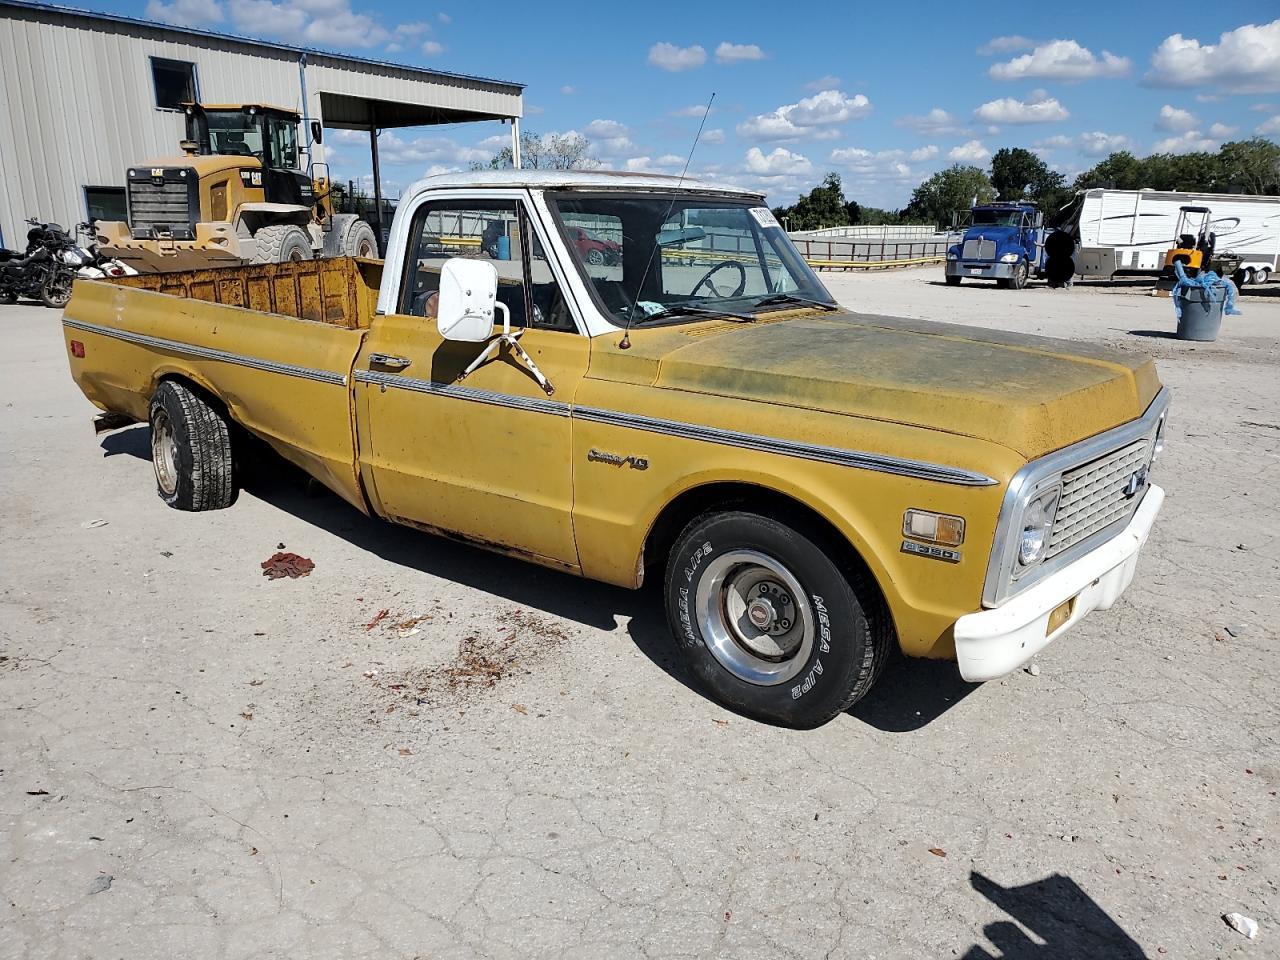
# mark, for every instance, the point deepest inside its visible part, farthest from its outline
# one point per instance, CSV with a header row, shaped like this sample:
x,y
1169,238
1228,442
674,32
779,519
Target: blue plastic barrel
x,y
504,248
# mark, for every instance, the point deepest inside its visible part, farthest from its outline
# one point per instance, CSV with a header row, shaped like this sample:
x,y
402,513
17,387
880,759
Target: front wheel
x,y
768,625
953,281
1021,271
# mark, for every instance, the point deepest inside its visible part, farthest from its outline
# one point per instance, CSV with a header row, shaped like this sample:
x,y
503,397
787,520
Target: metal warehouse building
x,y
86,94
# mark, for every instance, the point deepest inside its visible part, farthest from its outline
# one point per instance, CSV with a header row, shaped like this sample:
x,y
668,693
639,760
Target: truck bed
x,y
275,342
342,291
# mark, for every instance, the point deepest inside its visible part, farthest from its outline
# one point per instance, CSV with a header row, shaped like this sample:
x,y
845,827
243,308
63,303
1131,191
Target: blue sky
x,y
885,96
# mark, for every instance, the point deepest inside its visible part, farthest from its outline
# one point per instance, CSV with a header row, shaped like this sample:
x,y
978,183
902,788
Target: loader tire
x,y
360,241
190,450
281,243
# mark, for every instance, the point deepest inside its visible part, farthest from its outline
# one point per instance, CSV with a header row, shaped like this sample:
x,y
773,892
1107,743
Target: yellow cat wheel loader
x,y
238,194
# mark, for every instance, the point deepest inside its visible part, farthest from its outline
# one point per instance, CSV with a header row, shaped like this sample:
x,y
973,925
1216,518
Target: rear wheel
x,y
281,243
190,450
360,241
768,625
1261,275
56,291
8,298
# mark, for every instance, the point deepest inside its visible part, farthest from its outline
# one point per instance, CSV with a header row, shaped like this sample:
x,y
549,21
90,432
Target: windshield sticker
x,y
764,217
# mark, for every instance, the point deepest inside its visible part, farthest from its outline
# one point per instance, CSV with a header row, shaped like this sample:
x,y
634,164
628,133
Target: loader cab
x,y
267,134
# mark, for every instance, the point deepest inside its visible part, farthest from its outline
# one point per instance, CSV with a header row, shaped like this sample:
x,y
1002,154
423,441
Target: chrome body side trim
x,y
858,459
1036,476
209,353
531,404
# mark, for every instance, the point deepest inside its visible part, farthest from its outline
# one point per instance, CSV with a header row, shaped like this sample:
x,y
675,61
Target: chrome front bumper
x,y
980,271
992,643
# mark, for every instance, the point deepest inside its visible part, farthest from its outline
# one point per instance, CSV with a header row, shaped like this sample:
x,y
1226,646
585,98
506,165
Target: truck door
x,y
487,457
282,180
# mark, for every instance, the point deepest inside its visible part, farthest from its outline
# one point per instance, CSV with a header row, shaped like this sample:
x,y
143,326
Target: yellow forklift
x,y
239,193
1193,242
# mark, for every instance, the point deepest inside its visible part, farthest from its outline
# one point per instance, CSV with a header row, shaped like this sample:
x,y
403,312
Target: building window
x,y
174,82
105,203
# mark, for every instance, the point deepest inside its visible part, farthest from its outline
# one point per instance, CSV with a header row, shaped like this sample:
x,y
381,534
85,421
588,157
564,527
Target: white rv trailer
x,y
1129,231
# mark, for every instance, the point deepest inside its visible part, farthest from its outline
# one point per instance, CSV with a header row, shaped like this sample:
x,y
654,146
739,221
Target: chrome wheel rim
x,y
755,617
164,452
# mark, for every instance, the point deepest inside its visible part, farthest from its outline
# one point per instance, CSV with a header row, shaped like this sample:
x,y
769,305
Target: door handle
x,y
385,360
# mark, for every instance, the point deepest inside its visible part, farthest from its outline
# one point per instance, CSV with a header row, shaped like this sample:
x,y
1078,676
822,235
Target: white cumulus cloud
x,y
1011,110
1061,60
1190,142
432,49
738,52
1269,127
1099,144
936,123
1175,119
186,13
815,117
779,163
667,56
1005,45
970,152
609,138
1244,60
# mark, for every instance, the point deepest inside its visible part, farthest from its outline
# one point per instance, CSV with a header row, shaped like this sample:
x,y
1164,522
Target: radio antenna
x,y
625,342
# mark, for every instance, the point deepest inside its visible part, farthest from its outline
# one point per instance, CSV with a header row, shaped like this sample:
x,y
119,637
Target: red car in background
x,y
595,250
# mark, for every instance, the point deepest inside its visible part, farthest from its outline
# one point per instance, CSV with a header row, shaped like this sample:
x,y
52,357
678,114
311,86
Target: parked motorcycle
x,y
93,263
45,272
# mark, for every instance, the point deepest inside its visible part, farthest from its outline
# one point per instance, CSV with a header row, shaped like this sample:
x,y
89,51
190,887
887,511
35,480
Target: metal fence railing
x,y
870,254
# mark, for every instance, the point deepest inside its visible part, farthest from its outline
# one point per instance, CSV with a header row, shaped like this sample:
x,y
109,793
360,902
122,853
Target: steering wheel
x,y
706,279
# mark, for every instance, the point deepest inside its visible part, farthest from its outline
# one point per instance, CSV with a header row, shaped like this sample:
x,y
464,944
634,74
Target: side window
x,y
493,230
284,145
174,82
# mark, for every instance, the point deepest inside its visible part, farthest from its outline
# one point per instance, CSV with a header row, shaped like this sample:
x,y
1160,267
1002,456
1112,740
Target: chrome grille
x,y
1093,495
979,250
162,204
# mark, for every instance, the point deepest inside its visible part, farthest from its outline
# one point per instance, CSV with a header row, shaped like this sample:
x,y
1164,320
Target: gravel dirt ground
x,y
422,750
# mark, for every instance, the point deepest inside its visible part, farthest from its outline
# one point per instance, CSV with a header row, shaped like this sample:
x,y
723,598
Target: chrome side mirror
x,y
468,292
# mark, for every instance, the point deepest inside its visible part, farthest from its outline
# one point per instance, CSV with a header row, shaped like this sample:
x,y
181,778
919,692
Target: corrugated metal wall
x,y
78,106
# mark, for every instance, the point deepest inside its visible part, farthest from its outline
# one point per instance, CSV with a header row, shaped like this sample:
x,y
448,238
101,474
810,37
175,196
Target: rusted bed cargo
x,y
342,291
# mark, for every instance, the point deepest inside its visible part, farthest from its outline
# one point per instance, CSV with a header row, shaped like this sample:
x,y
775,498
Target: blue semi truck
x,y
1004,243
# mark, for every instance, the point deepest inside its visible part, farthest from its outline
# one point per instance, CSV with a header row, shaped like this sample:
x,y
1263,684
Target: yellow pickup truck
x,y
630,376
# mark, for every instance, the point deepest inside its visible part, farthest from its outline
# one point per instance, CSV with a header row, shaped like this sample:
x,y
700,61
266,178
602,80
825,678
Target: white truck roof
x,y
572,180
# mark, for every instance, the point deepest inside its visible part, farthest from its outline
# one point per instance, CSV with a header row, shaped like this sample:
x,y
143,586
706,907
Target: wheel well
x,y
716,497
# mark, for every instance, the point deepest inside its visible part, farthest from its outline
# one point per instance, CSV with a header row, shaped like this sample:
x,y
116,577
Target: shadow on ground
x,y
1068,921
909,696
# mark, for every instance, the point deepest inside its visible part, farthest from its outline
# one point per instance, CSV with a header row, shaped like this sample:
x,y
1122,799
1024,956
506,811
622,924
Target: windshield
x,y
645,254
997,218
234,132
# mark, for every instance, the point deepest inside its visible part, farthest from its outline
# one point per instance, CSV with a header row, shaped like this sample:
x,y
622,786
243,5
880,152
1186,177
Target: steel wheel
x,y
164,452
595,257
755,617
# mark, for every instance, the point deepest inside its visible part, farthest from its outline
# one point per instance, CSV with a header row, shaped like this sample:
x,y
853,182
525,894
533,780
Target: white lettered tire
x,y
190,450
769,624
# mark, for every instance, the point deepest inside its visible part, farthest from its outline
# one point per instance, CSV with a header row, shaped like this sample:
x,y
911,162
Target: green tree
x,y
553,152
1120,171
823,206
1018,174
947,193
1250,166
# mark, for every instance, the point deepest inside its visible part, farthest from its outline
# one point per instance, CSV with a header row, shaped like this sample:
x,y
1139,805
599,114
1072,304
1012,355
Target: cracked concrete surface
x,y
262,775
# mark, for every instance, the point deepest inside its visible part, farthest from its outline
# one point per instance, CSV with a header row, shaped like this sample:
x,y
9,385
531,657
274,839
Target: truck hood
x,y
999,234
1030,394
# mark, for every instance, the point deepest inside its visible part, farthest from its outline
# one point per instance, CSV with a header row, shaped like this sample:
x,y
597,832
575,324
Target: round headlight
x,y
1037,524
952,256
